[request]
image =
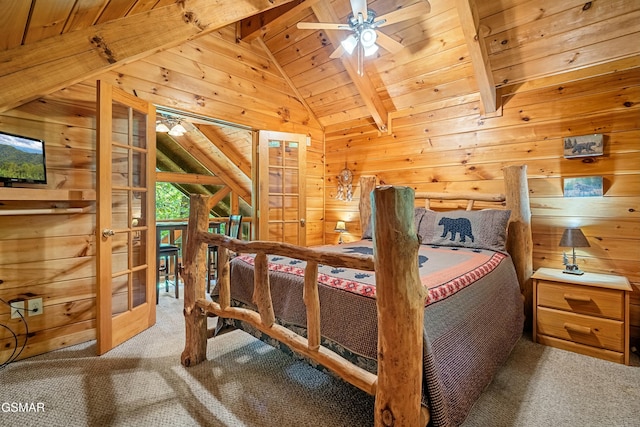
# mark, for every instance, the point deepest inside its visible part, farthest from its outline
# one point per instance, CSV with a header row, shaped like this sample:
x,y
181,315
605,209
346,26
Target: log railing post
x,y
400,301
195,274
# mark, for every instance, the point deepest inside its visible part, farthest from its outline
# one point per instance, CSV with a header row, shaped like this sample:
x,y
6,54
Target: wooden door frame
x,y
112,331
262,201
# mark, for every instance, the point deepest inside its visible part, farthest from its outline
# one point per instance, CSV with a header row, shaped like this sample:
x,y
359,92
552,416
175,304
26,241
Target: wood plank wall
x,y
448,146
53,256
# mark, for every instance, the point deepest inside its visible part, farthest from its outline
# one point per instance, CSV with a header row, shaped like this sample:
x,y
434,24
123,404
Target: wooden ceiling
x,y
468,48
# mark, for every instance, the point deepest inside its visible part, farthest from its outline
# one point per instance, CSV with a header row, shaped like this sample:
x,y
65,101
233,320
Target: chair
x,y
167,257
232,230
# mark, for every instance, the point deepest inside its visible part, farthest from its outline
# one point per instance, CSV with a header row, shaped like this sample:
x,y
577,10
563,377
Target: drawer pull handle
x,y
581,298
577,328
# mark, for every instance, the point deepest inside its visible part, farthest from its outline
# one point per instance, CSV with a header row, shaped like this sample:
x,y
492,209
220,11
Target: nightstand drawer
x,y
582,299
593,331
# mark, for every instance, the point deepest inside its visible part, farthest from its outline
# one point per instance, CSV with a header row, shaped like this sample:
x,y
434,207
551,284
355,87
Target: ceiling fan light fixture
x,y
349,44
370,50
368,37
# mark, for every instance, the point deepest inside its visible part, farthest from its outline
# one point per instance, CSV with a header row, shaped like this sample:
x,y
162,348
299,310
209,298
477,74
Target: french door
x,y
281,187
126,217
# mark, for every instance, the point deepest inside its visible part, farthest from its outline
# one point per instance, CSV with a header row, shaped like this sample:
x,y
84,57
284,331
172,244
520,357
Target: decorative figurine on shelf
x,y
572,238
345,189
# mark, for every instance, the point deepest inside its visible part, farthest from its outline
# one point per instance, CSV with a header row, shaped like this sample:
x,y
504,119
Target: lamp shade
x,y
341,227
350,43
161,127
573,238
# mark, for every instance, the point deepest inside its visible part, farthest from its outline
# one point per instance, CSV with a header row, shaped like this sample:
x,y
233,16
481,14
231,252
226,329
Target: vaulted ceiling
x,y
461,45
462,49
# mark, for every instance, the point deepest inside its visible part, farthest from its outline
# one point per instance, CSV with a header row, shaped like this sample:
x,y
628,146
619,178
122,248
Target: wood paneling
x,y
452,148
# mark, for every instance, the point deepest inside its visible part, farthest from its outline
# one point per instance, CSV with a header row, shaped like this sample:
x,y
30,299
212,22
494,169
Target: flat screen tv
x,y
21,160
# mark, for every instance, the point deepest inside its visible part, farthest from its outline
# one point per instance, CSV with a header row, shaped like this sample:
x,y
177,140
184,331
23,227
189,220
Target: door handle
x,y
302,222
108,232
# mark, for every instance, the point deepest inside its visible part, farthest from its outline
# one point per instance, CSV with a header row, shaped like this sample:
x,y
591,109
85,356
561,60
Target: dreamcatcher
x,y
345,188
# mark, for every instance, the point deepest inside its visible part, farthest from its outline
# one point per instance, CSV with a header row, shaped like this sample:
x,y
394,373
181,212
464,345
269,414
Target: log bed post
x,y
400,302
195,274
519,241
367,184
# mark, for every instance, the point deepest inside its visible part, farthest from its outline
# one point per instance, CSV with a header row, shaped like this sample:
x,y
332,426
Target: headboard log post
x,y
519,241
367,184
400,305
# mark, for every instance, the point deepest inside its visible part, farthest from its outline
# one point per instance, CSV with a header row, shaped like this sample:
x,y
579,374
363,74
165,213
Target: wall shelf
x,y
45,195
37,194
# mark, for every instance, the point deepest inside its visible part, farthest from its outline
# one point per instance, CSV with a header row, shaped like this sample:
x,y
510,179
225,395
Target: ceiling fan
x,y
363,24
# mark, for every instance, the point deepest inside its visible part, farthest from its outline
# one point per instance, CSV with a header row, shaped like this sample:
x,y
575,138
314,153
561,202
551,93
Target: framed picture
x,y
583,146
590,186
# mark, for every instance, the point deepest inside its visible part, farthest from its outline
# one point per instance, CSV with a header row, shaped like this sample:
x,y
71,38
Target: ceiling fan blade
x,y
413,11
359,6
338,52
388,43
322,26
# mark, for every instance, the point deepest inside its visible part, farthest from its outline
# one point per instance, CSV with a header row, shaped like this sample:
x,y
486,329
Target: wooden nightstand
x,y
587,314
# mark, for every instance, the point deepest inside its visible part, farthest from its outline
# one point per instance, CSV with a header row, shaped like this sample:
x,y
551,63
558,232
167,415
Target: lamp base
x,y
572,269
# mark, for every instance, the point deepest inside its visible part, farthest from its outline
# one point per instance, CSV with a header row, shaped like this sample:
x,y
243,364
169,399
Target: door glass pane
x,y
139,248
291,181
139,288
139,130
291,153
139,168
275,180
120,209
275,153
138,209
120,257
120,166
119,294
291,208
120,123
276,232
291,232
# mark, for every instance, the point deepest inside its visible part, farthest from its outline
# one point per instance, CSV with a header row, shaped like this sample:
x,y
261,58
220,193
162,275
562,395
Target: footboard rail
x,y
400,302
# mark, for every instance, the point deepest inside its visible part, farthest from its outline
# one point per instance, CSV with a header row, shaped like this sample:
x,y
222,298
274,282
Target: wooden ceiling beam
x,y
325,13
201,148
470,22
188,178
225,148
257,25
34,70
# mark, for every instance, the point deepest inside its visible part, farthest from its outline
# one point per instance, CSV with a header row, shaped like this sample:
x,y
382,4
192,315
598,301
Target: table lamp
x,y
341,227
572,238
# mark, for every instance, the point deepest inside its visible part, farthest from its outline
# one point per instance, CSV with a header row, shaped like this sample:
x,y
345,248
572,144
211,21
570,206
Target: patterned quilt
x,y
473,316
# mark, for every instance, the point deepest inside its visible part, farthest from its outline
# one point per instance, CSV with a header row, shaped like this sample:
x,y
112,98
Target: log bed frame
x,y
400,295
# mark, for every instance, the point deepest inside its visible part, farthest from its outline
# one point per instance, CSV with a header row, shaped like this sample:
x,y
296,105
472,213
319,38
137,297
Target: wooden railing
x,y
400,302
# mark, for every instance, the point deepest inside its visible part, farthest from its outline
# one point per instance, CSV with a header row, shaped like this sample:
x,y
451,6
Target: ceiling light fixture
x,y
161,127
349,44
170,125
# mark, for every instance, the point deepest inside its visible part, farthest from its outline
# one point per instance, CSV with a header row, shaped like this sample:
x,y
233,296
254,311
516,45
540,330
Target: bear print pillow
x,y
418,213
483,229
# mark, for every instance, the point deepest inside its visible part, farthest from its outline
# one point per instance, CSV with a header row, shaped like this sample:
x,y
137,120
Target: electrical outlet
x,y
35,307
17,308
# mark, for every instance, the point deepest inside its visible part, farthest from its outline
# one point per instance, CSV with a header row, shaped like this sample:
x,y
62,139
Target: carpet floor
x,y
245,382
